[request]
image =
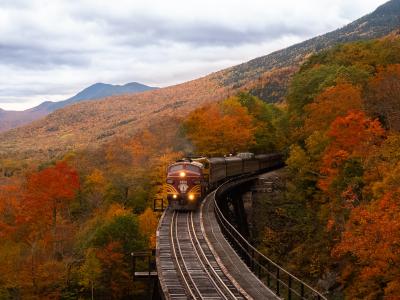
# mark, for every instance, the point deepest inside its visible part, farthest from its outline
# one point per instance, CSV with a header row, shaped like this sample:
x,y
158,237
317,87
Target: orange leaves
x,y
220,128
110,255
372,236
353,135
355,132
331,103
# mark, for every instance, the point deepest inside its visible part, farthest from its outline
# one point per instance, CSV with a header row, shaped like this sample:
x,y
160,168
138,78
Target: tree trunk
x,y
126,196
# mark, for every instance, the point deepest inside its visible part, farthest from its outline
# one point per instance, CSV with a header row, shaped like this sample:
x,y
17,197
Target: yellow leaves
x,y
148,223
298,160
96,178
316,143
11,263
390,181
115,210
90,270
95,181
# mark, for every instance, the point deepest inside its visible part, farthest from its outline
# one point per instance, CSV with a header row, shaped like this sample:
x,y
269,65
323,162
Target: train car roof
x,y
217,160
265,156
233,158
245,155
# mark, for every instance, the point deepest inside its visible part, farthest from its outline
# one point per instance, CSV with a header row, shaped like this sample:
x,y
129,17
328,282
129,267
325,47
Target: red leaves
x,y
47,192
58,182
34,217
33,210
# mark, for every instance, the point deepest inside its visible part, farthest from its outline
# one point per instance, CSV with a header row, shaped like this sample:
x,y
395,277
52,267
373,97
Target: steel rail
x,y
199,251
174,250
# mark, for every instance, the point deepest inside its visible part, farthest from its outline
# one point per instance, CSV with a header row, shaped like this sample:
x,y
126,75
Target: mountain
x,y
12,119
83,124
384,20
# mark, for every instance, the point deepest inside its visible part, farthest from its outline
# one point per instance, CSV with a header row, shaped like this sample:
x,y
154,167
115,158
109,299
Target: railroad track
x,y
191,270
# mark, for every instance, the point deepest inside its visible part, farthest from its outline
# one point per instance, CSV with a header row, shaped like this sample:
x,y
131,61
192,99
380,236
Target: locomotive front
x,y
183,185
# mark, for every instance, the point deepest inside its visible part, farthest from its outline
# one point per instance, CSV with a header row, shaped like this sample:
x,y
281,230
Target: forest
x,y
68,225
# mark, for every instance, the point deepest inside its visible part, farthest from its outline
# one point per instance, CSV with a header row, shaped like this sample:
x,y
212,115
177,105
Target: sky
x,y
50,50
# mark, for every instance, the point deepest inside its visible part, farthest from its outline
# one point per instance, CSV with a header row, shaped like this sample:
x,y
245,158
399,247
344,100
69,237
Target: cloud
x,y
51,50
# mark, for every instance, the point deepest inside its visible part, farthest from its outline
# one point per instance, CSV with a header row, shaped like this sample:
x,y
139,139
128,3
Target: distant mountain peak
x,y
389,8
133,84
267,76
98,90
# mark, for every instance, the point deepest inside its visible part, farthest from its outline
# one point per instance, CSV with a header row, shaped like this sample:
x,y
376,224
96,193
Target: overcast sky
x,y
50,50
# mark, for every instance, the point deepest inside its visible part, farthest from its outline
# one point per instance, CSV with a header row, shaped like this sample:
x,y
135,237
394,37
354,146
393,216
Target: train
x,y
189,180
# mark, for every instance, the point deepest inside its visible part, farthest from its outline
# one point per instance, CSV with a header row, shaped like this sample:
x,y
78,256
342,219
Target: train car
x,y
234,166
189,180
184,185
217,166
251,165
269,160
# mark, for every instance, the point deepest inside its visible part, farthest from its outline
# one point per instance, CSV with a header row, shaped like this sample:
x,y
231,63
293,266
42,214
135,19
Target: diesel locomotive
x,y
189,180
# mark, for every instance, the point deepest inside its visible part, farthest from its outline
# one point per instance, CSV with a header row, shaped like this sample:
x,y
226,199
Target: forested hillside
x,y
77,188
337,224
91,124
12,119
68,225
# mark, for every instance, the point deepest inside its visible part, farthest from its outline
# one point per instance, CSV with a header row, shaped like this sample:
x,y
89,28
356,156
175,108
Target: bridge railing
x,y
282,282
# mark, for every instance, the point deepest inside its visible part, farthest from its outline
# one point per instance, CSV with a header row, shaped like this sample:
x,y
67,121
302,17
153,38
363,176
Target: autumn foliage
x,y
68,226
370,246
37,226
219,129
237,124
353,136
343,166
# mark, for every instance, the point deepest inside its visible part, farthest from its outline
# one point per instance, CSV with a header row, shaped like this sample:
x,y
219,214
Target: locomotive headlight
x,y
191,197
182,174
170,181
174,196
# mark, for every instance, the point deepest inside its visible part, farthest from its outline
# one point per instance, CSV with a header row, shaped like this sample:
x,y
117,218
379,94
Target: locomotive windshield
x,y
193,168
176,168
180,167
